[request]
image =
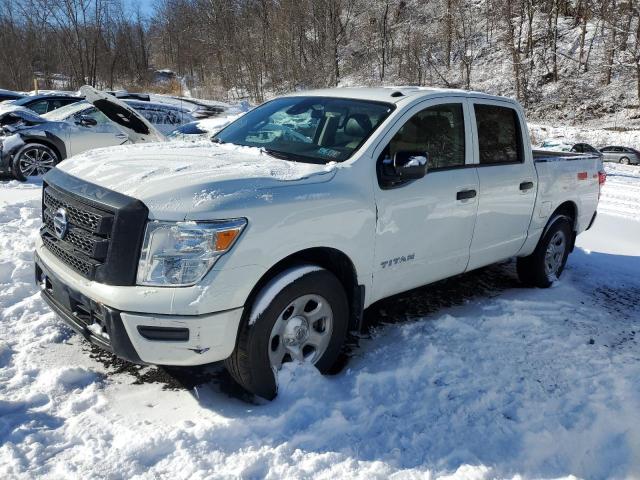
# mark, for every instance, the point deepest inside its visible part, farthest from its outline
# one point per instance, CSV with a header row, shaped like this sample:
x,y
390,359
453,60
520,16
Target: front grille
x,y
104,228
83,216
91,245
86,241
82,265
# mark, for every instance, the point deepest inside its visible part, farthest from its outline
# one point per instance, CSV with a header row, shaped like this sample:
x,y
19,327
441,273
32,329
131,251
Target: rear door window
x,y
499,135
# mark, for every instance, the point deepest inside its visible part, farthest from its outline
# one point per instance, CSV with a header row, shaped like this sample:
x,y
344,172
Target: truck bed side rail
x,y
551,156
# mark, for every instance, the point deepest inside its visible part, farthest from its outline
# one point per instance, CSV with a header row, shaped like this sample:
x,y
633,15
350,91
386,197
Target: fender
x,y
35,135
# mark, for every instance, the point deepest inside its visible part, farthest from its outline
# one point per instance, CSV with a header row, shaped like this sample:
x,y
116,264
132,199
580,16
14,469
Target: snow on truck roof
x,y
394,94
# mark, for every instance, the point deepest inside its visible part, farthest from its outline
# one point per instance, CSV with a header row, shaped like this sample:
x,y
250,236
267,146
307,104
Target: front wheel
x,y
300,316
33,159
624,161
546,263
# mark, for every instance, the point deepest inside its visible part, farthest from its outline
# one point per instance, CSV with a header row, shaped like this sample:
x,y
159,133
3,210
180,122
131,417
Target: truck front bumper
x,y
139,337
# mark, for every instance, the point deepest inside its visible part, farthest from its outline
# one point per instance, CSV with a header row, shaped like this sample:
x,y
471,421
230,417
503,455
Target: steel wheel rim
x,y
555,253
302,332
35,161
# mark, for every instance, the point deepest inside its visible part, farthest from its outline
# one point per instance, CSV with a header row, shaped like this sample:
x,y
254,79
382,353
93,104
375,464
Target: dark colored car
x,y
563,146
585,148
42,104
9,95
204,110
124,95
624,155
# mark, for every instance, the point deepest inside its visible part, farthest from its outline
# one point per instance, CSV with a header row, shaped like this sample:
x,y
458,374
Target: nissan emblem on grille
x,y
60,224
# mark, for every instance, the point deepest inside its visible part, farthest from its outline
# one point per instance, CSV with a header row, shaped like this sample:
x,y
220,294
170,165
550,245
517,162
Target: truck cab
x,y
265,246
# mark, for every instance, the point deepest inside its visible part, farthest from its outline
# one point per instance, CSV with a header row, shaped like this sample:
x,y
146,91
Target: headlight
x,y
179,254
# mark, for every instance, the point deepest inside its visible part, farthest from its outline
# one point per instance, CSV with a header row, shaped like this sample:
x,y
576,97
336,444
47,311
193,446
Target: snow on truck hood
x,y
183,178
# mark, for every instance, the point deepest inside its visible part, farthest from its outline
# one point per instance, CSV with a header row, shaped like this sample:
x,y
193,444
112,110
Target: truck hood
x,y
184,180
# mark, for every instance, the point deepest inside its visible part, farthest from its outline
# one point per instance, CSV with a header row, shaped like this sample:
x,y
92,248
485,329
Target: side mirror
x,y
403,167
410,165
87,121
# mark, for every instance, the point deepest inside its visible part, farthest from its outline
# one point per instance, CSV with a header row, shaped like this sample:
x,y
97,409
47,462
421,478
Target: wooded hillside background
x,y
549,54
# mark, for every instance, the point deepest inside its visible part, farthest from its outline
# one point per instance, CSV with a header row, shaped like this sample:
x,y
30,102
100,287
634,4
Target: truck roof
x,y
393,94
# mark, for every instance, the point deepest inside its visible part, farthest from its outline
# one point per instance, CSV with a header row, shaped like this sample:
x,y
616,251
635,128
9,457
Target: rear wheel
x,y
625,161
546,263
305,321
33,159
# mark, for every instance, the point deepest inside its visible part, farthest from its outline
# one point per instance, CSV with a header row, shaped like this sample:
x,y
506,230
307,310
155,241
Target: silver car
x,y
31,145
624,155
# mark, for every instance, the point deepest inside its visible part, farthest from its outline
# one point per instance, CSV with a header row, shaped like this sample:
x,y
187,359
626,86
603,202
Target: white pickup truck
x,y
265,245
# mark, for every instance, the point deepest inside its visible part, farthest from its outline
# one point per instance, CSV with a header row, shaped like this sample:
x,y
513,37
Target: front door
x,y
508,183
424,227
104,133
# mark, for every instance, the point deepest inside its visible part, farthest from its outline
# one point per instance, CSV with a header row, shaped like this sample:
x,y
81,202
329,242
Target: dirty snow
x,y
475,378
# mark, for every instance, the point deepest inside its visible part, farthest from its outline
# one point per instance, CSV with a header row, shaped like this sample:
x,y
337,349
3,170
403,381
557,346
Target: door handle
x,y
121,135
524,186
465,194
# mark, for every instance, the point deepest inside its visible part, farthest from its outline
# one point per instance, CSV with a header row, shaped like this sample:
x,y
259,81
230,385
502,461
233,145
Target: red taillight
x,y
602,177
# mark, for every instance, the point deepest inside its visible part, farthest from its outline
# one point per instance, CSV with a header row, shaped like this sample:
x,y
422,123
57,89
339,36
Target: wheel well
x,y
330,259
568,209
46,143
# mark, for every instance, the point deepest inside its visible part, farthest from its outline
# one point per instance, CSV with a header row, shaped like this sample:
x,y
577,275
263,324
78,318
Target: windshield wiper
x,y
281,155
217,140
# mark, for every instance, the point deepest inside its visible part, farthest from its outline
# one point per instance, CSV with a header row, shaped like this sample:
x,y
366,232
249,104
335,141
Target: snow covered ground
x,y
471,378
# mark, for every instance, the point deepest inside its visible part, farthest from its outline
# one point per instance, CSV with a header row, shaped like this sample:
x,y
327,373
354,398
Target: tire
x,y
264,336
539,269
33,159
625,161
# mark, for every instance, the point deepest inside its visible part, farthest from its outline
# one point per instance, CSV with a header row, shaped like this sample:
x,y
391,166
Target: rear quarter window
x,y
499,135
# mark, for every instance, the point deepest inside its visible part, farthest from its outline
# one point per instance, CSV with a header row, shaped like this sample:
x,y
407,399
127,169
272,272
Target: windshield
x,y
67,111
307,129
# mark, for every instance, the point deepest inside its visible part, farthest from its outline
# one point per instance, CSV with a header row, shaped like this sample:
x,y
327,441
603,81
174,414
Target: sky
x,y
146,6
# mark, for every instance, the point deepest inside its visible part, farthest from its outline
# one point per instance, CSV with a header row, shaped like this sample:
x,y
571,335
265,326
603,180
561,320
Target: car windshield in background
x,y
307,129
188,129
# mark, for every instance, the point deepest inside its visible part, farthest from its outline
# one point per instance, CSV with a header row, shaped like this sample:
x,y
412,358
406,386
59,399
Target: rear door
x,y
508,182
611,154
424,227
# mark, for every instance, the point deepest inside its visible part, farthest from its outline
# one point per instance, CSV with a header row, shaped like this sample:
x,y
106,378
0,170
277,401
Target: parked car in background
x,y
8,95
164,117
562,146
198,109
624,155
42,104
32,144
190,132
204,110
585,148
124,95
